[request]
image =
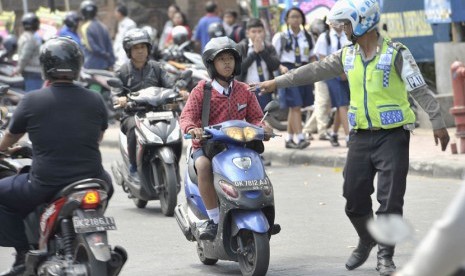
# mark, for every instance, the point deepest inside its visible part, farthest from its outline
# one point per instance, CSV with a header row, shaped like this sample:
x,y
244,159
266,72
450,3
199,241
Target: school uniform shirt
x,y
240,105
322,47
289,57
252,73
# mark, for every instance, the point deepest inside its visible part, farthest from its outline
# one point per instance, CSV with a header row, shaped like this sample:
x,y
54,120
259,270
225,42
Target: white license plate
x,y
95,224
159,116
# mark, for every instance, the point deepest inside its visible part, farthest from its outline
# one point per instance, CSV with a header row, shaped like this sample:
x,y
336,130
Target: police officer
x,y
65,124
382,74
137,73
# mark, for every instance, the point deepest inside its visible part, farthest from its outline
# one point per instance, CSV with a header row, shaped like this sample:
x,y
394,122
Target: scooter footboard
x,y
253,220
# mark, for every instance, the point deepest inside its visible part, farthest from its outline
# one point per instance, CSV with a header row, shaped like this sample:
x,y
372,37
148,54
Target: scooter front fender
x,y
254,221
166,155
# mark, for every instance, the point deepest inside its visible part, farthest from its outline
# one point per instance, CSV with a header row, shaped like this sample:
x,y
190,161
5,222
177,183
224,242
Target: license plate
x,y
251,185
159,116
94,224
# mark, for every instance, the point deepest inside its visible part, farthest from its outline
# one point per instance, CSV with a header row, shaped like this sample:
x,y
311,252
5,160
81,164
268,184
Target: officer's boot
x,y
365,243
385,265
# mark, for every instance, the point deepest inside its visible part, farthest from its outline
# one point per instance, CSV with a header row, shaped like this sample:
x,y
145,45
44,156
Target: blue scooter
x,y
245,194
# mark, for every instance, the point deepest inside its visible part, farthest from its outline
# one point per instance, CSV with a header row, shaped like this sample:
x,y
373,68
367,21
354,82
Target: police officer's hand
x,y
122,101
268,133
196,133
263,87
443,136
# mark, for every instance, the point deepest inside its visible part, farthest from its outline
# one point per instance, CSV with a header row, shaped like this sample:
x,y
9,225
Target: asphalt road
x,y
316,236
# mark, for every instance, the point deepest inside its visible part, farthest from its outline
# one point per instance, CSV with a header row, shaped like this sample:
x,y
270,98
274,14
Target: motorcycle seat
x,y
89,183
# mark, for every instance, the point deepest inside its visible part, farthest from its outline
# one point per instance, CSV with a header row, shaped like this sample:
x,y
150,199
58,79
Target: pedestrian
x,y
172,9
70,29
232,27
381,75
295,48
125,23
329,42
98,49
321,115
179,19
201,35
259,58
28,53
65,124
230,100
137,73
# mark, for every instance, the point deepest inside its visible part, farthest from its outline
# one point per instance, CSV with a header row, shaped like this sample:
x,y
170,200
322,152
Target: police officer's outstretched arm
x,y
416,86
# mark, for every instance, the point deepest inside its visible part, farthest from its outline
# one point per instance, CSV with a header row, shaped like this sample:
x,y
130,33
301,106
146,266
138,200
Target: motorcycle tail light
x,y
91,200
229,189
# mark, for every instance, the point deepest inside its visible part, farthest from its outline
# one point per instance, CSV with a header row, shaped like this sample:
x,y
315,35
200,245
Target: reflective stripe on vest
x,y
378,98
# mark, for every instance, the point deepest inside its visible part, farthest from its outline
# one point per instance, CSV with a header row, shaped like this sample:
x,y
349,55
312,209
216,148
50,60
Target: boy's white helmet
x,y
364,15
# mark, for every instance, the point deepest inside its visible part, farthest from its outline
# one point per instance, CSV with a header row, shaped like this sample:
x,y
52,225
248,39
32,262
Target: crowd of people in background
x,y
264,56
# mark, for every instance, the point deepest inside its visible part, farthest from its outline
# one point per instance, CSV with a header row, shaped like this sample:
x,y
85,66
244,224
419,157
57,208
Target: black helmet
x,y
72,19
88,9
61,59
216,46
30,22
216,29
134,37
10,44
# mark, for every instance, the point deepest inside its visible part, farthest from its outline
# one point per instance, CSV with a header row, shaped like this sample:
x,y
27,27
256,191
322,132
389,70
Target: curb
x,y
434,169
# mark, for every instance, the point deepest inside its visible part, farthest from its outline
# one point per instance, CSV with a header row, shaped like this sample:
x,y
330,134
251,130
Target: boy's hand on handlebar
x,y
184,94
268,133
196,133
122,101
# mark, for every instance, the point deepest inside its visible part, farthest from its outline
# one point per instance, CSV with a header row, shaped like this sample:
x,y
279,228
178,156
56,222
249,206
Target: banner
x,y
438,11
405,21
50,22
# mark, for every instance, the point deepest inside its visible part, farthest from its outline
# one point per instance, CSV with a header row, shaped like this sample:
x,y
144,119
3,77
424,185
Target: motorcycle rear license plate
x,y
94,224
159,116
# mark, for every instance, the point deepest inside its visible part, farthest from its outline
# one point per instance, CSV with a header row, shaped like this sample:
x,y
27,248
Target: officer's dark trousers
x,y
19,197
128,126
385,152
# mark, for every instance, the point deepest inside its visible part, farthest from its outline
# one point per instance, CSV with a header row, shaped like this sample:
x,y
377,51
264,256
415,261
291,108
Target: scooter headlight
x,y
245,134
152,137
243,163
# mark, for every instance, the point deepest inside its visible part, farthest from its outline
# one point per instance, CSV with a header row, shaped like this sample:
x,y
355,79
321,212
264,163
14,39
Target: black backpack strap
x,y
207,95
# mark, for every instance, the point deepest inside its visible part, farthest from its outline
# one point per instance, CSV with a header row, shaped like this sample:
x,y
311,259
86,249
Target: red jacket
x,y
240,105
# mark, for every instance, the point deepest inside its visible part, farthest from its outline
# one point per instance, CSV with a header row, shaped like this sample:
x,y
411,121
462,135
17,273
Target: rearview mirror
x,y
115,83
271,106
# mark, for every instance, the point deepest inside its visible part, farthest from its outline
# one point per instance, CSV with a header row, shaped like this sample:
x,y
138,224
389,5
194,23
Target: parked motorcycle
x,y
246,199
159,146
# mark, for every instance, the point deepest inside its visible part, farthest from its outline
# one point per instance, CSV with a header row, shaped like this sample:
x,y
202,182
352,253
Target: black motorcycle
x,y
159,146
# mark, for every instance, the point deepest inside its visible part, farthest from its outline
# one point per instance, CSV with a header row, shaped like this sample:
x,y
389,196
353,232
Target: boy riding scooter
x,y
230,100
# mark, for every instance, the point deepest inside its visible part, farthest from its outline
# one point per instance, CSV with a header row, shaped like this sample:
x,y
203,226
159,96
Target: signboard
x,y
7,22
406,22
438,11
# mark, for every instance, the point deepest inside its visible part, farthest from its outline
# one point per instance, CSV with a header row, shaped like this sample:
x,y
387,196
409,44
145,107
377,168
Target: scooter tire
x,y
166,174
257,258
139,203
202,258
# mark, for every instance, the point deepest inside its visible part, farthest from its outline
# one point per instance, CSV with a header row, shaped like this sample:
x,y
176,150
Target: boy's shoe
x,y
291,144
333,140
19,266
207,230
303,144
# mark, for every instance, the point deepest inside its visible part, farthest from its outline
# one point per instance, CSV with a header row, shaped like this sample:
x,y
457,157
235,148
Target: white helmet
x,y
362,14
